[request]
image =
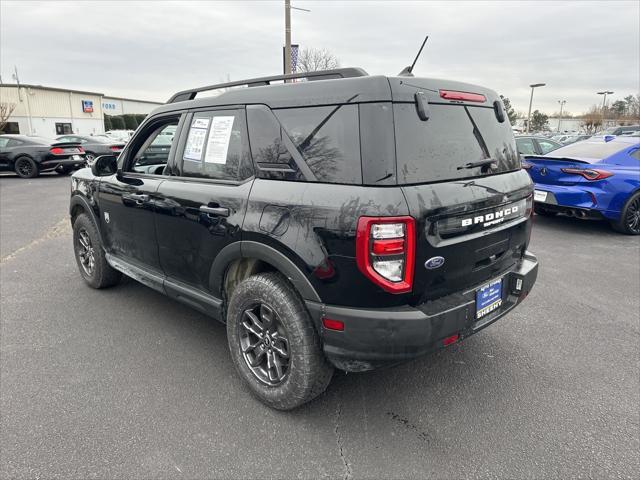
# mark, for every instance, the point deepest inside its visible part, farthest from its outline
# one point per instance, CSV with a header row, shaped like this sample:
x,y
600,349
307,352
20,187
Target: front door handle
x,y
215,211
139,198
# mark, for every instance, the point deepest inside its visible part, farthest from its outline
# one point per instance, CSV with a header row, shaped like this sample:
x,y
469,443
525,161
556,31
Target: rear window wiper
x,y
482,163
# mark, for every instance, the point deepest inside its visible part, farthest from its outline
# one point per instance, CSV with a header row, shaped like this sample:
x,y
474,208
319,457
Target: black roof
x,y
325,88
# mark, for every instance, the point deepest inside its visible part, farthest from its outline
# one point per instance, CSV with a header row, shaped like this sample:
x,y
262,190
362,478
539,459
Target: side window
x,y
525,146
546,147
328,138
3,142
636,154
14,143
217,147
155,147
267,147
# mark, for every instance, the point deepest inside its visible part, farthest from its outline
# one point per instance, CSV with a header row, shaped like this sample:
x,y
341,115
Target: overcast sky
x,y
151,49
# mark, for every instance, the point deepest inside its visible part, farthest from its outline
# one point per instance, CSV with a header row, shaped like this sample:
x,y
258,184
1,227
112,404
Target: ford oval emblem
x,y
433,263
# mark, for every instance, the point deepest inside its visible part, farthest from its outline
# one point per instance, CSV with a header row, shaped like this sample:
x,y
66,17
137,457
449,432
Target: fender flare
x,y
265,253
86,206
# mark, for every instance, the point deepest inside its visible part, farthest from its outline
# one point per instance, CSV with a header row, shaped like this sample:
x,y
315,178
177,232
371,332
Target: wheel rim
x,y
85,252
264,344
632,218
89,157
25,168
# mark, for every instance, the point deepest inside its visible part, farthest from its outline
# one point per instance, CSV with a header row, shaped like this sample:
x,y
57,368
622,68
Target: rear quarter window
x,y
328,138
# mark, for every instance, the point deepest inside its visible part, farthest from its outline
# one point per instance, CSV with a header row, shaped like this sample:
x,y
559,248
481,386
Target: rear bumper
x,y
59,164
378,337
576,200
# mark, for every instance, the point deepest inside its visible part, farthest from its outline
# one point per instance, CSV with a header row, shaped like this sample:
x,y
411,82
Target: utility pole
x,y
604,101
287,37
535,85
561,102
17,79
287,34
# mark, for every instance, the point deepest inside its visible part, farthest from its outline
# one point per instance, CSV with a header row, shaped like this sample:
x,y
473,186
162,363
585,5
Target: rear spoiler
x,y
66,144
560,159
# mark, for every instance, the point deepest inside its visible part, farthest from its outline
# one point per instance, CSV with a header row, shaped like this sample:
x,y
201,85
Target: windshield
x,y
454,136
589,151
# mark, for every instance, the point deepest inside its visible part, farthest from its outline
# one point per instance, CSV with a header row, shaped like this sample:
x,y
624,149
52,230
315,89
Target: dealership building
x,y
48,111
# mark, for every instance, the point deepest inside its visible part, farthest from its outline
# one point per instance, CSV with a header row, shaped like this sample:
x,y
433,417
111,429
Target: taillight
x,y
80,150
57,150
115,148
588,173
463,96
385,251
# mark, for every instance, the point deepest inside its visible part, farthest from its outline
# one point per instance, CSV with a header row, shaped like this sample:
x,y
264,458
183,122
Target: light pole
x,y
561,102
535,85
604,101
287,34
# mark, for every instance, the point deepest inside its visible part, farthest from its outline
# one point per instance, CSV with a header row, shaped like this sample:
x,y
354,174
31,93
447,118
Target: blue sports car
x,y
596,178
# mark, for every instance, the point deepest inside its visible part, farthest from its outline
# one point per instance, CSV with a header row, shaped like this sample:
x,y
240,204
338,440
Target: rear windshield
x,y
588,151
454,135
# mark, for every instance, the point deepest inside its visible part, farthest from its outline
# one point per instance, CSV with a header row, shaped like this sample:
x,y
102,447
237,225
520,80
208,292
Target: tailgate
x,y
549,170
480,227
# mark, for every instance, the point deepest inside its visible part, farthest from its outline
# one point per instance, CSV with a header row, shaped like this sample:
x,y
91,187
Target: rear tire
x,y
544,212
629,222
25,167
267,318
90,255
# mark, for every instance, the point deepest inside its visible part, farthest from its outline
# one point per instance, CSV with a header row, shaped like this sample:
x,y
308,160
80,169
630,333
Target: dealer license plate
x,y
488,298
540,196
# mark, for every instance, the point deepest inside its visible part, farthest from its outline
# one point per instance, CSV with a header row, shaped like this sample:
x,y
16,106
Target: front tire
x,y
273,343
90,256
25,167
629,222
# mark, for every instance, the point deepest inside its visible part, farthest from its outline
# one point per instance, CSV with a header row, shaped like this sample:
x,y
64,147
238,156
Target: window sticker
x,y
195,141
200,123
219,138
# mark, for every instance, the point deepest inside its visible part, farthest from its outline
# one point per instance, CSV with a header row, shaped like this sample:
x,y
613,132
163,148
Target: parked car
x,y
595,178
348,222
120,135
94,146
621,130
30,155
535,145
575,138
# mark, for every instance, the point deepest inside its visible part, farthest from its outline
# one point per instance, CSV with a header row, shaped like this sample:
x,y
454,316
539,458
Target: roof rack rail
x,y
262,81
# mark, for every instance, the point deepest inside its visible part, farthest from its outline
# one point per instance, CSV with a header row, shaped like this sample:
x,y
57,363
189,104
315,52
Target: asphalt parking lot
x,y
125,383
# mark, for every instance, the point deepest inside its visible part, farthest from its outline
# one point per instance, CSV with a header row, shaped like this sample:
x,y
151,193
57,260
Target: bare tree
x,y
6,109
591,120
314,60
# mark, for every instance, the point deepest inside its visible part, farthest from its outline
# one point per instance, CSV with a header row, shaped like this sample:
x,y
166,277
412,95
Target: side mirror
x,y
104,165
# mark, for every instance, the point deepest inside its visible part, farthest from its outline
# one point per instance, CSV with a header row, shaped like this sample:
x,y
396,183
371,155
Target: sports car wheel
x,y
26,167
629,222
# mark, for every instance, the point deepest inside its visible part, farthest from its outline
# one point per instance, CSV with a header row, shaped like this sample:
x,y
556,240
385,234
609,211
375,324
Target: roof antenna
x,y
406,72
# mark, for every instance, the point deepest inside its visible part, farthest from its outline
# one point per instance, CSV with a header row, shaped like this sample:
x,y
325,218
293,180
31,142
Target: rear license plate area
x,y
540,195
488,298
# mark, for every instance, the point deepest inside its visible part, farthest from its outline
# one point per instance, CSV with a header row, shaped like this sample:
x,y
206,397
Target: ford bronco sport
x,y
342,220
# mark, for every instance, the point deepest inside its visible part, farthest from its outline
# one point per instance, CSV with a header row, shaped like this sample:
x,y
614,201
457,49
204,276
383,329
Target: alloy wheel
x,y
86,252
632,218
25,168
264,344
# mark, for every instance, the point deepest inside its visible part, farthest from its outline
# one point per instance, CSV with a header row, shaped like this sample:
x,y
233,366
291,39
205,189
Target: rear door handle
x,y
215,211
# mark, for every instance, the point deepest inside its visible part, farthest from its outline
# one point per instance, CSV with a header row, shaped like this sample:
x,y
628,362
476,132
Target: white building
x,y
48,111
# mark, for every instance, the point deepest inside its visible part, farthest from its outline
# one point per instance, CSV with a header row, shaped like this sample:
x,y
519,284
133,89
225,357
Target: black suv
x,y
338,220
